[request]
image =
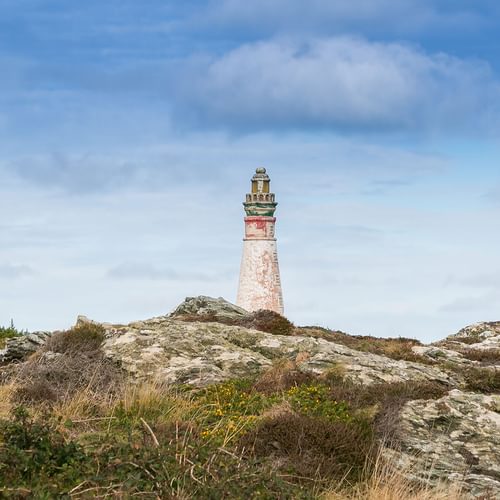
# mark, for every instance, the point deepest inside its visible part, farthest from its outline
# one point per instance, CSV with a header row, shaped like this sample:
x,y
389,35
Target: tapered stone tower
x,y
260,283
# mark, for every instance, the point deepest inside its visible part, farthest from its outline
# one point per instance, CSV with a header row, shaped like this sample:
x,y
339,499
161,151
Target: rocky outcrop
x,y
440,354
208,306
18,348
455,438
200,353
481,336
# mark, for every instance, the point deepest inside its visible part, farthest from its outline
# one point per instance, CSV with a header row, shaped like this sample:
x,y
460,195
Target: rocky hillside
x,y
444,428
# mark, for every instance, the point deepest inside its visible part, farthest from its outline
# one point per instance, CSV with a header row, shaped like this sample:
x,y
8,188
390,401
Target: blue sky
x,y
129,131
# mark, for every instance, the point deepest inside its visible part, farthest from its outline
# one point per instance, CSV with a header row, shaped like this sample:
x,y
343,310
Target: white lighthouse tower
x,y
260,283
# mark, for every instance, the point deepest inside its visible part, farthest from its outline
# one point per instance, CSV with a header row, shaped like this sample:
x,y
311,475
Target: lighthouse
x,y
260,283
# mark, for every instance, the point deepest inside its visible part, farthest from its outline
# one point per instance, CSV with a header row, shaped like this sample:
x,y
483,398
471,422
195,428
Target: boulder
x,y
455,438
208,306
18,348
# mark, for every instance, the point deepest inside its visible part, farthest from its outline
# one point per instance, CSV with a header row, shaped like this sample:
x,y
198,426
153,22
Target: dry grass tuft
x,y
386,482
485,380
399,348
281,376
70,365
486,356
6,392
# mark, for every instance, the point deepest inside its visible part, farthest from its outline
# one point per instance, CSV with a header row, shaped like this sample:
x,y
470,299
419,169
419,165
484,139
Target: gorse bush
x,y
315,400
34,453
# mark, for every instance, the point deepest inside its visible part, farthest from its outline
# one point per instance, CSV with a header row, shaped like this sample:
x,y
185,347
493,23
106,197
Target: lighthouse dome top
x,y
260,174
260,201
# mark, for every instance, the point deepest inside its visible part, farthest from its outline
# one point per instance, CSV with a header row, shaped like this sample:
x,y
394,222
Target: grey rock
x,y
436,353
455,438
18,348
483,336
200,353
202,306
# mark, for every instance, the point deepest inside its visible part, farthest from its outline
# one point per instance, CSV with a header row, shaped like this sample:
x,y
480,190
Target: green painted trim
x,y
260,209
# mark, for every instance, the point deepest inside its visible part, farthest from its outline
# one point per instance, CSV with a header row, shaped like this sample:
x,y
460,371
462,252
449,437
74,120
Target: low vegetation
x,y
263,320
69,362
484,356
399,348
485,380
8,332
77,429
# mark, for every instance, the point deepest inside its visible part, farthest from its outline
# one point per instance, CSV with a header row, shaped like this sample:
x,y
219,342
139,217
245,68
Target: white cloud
x,y
342,82
12,271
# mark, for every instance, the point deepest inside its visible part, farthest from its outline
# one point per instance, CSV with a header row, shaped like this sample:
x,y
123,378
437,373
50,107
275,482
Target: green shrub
x,y
8,332
35,455
38,461
315,400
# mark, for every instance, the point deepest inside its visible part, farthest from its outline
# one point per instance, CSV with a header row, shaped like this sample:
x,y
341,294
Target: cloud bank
x,y
340,82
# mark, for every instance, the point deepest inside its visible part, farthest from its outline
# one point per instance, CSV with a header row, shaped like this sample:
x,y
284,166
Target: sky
x,y
129,131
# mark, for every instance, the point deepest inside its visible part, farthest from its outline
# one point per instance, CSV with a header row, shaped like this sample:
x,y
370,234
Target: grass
x,y
387,482
284,434
72,425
